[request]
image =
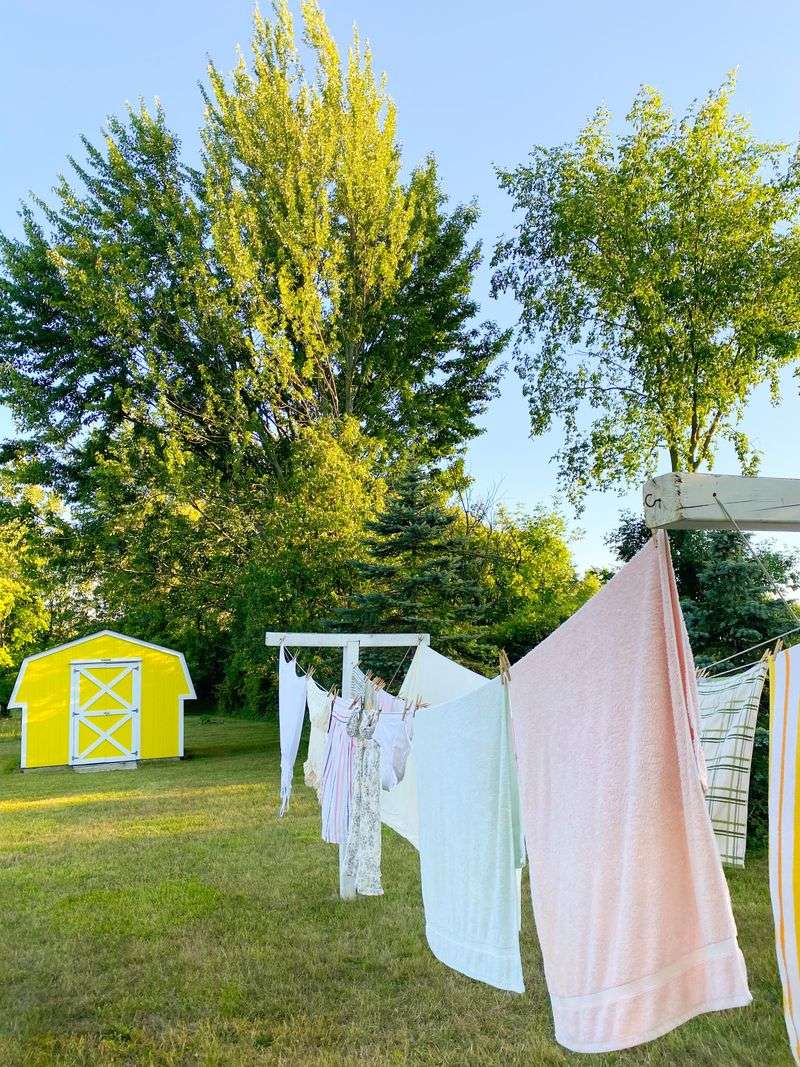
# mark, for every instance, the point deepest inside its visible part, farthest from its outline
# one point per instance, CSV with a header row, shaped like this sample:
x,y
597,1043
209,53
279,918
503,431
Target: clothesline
x,y
752,648
779,593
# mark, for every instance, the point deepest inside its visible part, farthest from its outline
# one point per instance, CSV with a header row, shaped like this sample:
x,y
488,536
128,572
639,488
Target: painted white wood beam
x,y
693,502
306,640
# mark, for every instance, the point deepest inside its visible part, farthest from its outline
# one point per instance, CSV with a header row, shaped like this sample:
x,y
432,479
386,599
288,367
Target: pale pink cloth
x,y
631,905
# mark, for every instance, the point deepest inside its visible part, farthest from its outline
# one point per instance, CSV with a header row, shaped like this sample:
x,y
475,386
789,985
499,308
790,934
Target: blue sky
x,y
476,83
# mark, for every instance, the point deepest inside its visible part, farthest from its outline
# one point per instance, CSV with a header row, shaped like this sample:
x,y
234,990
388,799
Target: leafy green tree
x,y
23,614
25,577
532,586
657,274
218,312
212,365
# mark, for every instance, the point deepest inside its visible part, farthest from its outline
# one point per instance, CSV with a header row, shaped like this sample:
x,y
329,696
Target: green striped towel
x,y
728,712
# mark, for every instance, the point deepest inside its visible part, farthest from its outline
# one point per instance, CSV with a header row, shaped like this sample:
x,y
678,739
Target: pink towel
x,y
631,905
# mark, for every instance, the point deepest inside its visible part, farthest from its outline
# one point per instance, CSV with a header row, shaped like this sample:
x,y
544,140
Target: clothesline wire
x,y
793,614
388,684
752,648
779,592
397,669
733,670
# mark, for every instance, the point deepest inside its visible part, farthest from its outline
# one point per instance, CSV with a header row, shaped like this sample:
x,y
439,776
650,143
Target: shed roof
x,y
91,637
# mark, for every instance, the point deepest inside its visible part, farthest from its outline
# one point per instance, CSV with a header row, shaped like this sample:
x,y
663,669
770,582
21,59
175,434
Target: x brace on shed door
x,y
104,711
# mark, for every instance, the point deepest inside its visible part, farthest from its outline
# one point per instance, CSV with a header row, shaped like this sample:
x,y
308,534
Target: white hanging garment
x,y
319,703
432,679
393,733
291,709
362,858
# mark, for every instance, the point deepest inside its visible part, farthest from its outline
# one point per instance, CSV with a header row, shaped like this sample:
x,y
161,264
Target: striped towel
x,y
784,856
728,712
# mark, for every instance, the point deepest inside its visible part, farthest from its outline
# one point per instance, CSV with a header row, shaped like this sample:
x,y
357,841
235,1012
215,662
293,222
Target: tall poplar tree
x,y
217,311
190,348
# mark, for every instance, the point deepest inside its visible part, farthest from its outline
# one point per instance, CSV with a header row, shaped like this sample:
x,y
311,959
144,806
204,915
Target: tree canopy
x,y
216,311
657,276
214,362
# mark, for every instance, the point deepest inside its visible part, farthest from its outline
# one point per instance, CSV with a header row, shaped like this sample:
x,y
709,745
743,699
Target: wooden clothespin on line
x,y
505,666
778,646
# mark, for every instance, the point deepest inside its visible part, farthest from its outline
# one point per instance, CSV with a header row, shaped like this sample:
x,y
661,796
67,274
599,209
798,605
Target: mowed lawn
x,y
166,916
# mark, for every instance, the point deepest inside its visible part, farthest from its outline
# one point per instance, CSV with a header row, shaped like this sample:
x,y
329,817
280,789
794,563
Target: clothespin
x,y
702,672
778,646
767,653
505,666
310,671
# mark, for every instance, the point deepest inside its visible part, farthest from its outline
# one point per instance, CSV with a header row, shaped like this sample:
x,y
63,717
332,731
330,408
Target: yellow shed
x,y
100,700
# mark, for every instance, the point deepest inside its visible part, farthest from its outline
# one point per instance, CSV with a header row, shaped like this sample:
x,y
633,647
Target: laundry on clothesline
x,y
319,702
291,710
362,859
630,901
470,842
358,682
337,771
728,713
784,844
393,732
431,679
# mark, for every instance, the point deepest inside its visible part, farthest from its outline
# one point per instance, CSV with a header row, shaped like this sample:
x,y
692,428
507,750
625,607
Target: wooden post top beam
x,y
682,501
306,640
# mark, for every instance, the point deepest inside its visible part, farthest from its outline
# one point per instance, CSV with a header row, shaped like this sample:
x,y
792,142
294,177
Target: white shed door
x,y
104,711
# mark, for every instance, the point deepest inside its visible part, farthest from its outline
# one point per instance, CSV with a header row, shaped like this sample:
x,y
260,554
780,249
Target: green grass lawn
x,y
166,916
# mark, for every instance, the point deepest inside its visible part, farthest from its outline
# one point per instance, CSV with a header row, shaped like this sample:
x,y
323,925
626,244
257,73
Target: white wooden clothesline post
x,y
351,645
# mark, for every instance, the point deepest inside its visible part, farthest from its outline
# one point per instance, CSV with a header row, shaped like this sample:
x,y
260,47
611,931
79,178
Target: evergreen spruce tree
x,y
420,575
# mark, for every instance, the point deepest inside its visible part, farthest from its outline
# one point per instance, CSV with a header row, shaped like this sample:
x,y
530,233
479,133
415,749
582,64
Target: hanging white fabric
x,y
431,679
291,709
728,713
319,702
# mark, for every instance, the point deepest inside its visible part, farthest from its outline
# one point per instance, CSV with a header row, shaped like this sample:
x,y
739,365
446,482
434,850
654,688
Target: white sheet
x,y
433,679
